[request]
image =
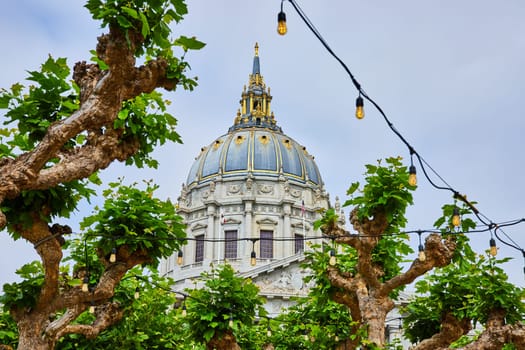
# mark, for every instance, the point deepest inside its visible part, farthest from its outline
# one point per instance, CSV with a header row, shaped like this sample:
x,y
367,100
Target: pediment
x,y
231,221
283,281
266,221
199,226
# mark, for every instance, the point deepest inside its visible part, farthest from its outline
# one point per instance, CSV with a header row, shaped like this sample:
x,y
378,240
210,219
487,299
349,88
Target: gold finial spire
x,y
256,49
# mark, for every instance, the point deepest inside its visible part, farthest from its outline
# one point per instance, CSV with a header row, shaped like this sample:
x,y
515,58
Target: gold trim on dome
x,y
287,143
239,139
264,139
217,144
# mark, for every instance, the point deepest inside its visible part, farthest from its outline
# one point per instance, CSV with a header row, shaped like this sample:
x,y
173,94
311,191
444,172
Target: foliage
x,y
25,293
148,128
150,18
135,219
32,111
8,329
386,190
465,293
315,322
150,322
224,297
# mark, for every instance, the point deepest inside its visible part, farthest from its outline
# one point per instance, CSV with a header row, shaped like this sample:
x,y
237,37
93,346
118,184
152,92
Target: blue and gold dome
x,y
254,145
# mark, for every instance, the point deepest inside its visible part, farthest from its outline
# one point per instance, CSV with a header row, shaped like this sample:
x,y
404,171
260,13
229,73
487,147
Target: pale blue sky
x,y
449,74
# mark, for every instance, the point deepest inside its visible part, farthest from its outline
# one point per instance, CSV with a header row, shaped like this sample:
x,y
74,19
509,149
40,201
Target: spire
x,y
255,101
256,65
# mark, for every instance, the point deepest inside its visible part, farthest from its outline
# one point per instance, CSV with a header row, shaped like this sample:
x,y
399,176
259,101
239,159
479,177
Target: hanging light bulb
x,y
421,256
184,310
281,22
455,217
136,295
336,339
305,335
230,322
493,248
85,284
359,111
92,308
180,258
269,331
113,256
412,178
333,259
253,258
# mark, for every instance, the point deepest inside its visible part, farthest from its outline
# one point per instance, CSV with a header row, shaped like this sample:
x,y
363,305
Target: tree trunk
x,y
374,313
225,341
30,335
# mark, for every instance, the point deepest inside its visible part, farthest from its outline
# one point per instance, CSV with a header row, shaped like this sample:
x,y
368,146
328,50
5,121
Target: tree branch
x,y
106,315
451,330
438,253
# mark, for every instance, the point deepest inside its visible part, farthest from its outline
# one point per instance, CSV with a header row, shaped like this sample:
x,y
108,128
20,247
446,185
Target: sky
x,y
448,74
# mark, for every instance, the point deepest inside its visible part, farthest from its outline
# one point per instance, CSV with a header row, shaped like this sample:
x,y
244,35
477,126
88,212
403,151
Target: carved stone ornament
x,y
295,193
205,194
233,189
266,189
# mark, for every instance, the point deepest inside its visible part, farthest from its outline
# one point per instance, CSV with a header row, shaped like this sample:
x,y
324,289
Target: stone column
x,y
287,231
210,248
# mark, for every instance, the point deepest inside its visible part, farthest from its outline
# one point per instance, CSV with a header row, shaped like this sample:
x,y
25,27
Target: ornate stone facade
x,y
252,190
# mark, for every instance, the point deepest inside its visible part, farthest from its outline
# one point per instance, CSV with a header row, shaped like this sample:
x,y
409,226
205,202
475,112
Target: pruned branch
x,y
106,315
438,253
451,329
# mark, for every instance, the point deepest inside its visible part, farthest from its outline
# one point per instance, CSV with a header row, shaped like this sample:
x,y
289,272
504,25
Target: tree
x,y
455,298
225,304
133,228
368,274
63,132
371,275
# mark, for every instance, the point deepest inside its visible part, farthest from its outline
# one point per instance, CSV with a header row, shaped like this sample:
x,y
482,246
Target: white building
x,y
252,191
251,194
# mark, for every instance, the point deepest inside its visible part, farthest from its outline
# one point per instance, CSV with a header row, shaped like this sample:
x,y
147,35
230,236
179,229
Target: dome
x,y
256,150
255,145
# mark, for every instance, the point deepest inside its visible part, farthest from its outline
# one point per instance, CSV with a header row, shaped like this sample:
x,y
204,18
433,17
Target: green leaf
x,y
189,43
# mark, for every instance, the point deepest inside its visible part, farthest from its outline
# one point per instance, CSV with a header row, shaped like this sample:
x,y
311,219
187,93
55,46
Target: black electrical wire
x,y
411,149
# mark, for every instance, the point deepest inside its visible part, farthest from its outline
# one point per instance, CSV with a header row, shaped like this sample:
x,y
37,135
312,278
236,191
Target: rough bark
x,y
451,330
225,341
495,335
101,97
365,294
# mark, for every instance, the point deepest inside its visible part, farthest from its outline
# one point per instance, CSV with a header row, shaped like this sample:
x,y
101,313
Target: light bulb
x,y
333,259
137,293
92,308
184,311
179,258
85,284
493,248
412,178
336,339
268,332
230,323
421,256
281,23
359,111
253,259
455,217
113,256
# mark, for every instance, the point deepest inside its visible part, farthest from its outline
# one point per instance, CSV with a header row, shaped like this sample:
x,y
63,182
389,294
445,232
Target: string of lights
x,y
480,229
360,114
